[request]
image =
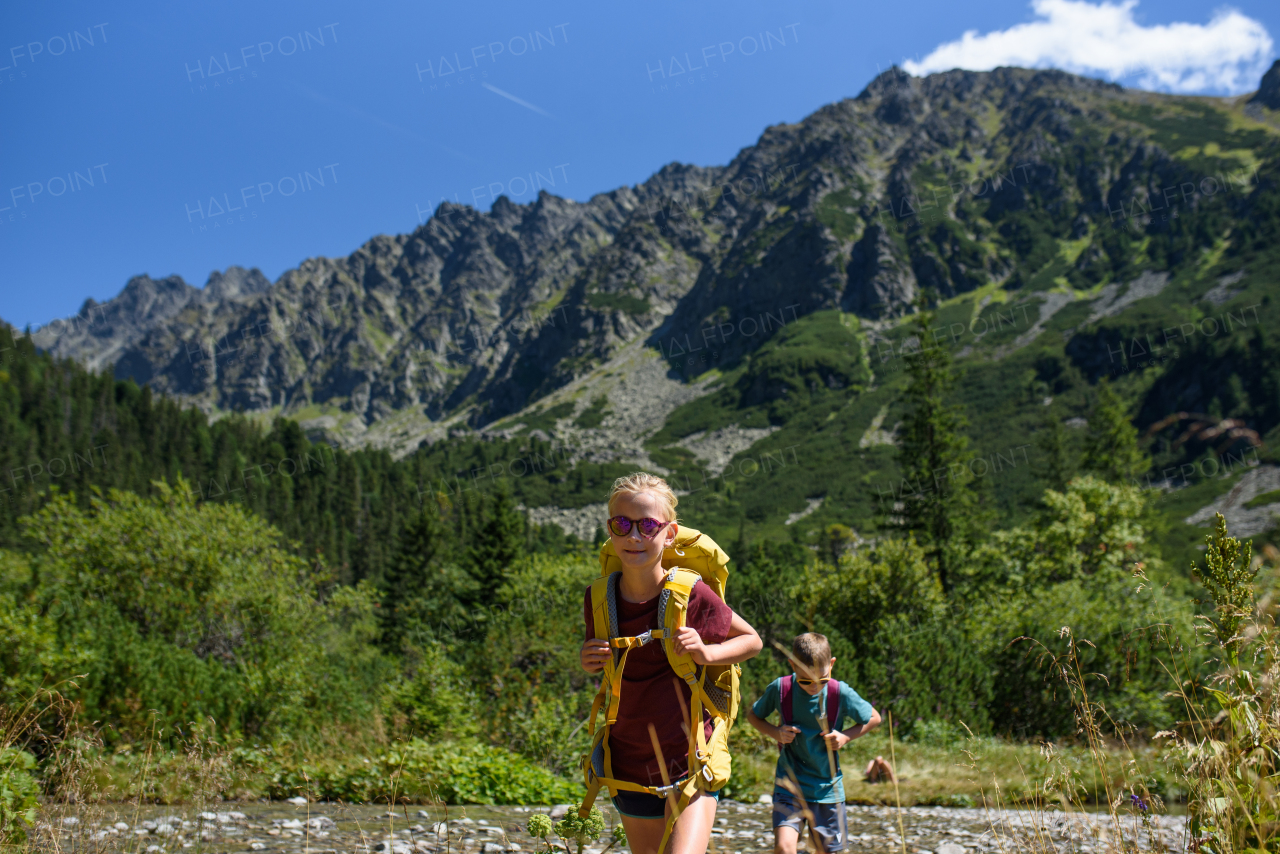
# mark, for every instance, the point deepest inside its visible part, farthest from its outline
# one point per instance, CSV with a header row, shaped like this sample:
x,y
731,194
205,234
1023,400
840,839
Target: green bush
x,y
18,791
427,700
455,772
1081,564
895,638
187,610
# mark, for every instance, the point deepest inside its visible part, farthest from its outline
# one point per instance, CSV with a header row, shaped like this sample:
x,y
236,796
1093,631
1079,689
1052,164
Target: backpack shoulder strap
x,y
673,609
604,616
784,700
833,703
600,606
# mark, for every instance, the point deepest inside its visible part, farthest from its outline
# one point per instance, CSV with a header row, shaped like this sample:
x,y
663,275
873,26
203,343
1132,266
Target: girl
x,y
642,522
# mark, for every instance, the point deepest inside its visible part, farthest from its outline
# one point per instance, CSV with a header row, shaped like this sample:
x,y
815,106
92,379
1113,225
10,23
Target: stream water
x,y
320,828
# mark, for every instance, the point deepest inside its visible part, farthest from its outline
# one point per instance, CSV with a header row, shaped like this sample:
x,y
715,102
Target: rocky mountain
x,y
104,334
961,183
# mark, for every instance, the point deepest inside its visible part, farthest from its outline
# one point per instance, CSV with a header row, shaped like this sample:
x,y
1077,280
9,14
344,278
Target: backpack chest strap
x,y
638,640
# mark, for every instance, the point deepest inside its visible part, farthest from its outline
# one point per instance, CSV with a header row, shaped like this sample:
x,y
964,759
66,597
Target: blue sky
x,y
292,129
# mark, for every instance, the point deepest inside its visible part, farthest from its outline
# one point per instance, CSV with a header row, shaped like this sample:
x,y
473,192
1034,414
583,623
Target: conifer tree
x,y
935,491
1058,461
409,578
497,542
1111,450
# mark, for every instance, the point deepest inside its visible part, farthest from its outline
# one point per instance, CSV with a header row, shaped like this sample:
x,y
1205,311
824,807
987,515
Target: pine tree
x,y
1111,450
409,577
935,492
497,542
1058,461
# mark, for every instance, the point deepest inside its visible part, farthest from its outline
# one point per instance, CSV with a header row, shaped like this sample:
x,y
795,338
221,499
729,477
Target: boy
x,y
816,703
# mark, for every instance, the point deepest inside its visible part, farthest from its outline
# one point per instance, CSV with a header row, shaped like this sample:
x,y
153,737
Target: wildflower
x,y
540,827
1138,802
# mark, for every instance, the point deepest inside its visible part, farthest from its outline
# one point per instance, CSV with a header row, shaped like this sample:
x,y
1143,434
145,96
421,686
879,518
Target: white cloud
x,y
1229,54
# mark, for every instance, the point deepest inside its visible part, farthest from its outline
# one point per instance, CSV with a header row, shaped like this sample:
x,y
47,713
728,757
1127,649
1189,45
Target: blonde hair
x,y
645,482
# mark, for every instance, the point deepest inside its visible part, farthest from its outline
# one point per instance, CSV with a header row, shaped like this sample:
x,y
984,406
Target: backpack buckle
x,y
645,637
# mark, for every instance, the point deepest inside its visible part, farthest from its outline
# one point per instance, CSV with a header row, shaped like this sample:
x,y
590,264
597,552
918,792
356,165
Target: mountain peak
x,y
1268,94
235,282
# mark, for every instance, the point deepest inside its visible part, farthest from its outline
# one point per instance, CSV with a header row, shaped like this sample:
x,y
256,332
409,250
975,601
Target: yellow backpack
x,y
691,557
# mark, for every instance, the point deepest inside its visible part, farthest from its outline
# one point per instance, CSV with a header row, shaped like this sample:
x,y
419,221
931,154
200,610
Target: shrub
x,y
455,772
190,610
18,791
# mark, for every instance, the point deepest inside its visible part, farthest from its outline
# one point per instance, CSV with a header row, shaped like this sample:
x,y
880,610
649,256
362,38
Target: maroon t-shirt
x,y
649,687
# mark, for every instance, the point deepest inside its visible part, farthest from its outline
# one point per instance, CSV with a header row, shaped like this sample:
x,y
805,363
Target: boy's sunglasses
x,y
807,682
620,526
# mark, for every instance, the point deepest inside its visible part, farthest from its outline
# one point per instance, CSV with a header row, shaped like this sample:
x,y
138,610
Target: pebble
x,y
740,829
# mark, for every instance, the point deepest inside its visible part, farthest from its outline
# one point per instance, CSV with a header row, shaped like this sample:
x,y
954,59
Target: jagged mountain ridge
x,y
474,315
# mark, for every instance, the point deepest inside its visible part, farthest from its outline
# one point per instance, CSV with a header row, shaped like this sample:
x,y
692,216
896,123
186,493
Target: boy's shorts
x,y
828,820
644,805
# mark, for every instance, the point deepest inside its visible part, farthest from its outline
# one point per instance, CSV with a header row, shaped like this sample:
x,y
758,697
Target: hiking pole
x,y
822,718
662,767
902,833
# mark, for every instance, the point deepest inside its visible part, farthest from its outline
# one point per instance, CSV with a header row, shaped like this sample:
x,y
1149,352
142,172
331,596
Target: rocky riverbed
x,y
740,828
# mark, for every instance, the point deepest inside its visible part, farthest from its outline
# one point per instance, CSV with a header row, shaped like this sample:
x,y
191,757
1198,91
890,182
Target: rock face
x,y
1268,94
99,335
917,184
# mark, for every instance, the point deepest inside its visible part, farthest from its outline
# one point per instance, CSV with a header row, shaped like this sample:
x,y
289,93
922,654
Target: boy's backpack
x,y
784,701
692,557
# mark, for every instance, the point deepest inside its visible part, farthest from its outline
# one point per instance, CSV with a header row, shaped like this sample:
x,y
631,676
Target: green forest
x,y
175,580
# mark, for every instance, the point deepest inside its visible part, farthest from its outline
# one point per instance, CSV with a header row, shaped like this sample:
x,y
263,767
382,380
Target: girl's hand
x,y
688,641
594,654
786,734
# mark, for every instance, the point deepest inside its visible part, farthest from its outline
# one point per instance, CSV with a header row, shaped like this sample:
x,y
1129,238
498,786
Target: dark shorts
x,y
644,805
828,820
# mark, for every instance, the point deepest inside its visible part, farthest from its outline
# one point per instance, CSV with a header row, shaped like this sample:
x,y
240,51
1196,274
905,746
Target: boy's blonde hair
x,y
644,482
813,649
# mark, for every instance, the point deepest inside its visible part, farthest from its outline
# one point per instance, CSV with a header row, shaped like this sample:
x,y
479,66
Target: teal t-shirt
x,y
806,757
